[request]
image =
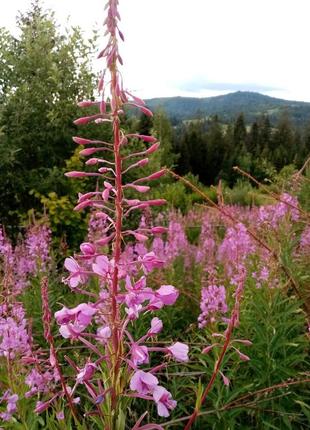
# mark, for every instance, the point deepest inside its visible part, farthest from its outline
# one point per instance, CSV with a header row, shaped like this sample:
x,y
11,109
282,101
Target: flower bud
x,y
156,175
81,140
152,148
159,230
75,174
86,103
88,151
86,119
87,248
91,162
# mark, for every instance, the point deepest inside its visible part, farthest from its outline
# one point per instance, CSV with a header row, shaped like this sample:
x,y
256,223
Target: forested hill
x,y
228,106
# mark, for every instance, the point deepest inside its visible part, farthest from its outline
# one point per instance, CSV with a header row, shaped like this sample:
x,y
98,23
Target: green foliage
x,y
163,131
42,74
243,194
180,196
69,227
304,189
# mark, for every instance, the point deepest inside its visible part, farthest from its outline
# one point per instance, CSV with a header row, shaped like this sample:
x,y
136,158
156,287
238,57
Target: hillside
x,y
230,105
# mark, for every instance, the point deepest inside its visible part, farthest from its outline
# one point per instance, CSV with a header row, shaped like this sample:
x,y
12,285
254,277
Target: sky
x,y
201,48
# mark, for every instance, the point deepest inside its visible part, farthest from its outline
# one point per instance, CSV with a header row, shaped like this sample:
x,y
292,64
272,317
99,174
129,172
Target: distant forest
x,y
209,148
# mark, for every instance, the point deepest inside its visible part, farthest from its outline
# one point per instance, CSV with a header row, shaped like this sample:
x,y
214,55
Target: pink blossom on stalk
x,y
179,351
273,214
90,151
38,382
120,292
305,241
143,382
177,241
37,242
236,247
14,337
213,305
159,247
164,401
11,408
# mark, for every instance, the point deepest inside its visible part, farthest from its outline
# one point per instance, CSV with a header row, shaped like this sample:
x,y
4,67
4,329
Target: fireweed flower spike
x,y
104,325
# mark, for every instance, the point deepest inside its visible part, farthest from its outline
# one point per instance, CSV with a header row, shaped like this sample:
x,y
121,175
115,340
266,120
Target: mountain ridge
x,y
228,106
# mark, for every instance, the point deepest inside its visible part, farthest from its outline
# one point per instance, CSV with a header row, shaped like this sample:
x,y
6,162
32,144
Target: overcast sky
x,y
202,47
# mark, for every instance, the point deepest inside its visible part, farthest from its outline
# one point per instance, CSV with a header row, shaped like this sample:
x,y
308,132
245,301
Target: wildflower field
x,y
162,318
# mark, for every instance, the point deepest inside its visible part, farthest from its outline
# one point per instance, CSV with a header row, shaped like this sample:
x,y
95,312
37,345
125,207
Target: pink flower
x,y
76,277
74,321
102,266
159,230
139,354
133,312
60,415
143,382
104,333
107,191
156,326
165,295
152,148
179,351
150,261
86,373
87,248
226,381
168,294
164,401
11,408
242,356
42,406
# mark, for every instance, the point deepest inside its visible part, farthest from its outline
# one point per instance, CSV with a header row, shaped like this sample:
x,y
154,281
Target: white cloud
x,y
263,43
